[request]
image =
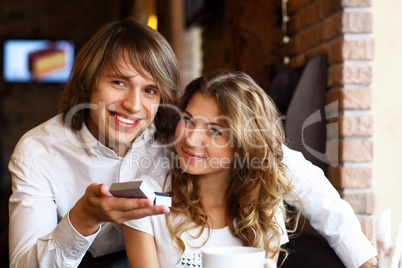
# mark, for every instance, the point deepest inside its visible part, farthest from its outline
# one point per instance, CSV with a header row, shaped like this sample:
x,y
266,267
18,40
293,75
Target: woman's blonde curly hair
x,y
259,179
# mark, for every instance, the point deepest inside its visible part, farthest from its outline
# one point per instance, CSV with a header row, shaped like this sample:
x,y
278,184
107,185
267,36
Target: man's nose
x,y
132,101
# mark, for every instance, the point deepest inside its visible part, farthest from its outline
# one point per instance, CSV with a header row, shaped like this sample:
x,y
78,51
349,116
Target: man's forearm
x,y
372,263
330,215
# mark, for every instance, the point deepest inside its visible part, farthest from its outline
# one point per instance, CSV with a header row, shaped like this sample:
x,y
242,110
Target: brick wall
x,y
342,30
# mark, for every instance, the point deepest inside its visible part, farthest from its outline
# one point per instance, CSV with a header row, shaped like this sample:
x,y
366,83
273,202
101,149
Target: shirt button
x,y
82,244
75,252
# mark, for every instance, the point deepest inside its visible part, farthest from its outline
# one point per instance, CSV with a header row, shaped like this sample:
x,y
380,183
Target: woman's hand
x,y
96,206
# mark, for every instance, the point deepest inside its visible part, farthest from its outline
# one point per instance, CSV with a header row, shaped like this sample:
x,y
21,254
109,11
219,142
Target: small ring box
x,y
139,189
163,199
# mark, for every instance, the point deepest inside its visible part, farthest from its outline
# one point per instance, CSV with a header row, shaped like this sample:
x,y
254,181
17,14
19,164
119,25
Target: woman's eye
x,y
187,120
215,131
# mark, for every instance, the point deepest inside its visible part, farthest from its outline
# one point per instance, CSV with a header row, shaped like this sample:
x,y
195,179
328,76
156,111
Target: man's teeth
x,y
123,119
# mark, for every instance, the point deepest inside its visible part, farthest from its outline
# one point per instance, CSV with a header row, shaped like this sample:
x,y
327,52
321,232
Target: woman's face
x,y
202,143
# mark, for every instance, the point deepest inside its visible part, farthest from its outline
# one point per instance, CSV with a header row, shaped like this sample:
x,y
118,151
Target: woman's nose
x,y
195,137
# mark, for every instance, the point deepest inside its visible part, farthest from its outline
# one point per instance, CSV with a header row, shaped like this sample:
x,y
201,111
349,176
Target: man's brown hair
x,y
148,51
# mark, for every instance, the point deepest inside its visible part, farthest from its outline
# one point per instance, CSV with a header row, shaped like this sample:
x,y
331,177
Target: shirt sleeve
x,y
281,222
143,225
327,212
36,238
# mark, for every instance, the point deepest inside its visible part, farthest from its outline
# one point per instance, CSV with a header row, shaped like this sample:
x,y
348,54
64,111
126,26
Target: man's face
x,y
125,105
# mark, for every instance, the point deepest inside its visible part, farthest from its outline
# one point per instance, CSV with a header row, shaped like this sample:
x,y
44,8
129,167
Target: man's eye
x,y
119,83
150,91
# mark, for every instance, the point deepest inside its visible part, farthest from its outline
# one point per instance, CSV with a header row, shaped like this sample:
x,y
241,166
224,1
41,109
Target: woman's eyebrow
x,y
213,124
188,113
208,123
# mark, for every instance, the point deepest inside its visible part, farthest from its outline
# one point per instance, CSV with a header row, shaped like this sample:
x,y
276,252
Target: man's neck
x,y
120,149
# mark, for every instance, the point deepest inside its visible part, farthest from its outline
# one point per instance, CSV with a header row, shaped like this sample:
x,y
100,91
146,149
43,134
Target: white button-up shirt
x,y
330,215
52,166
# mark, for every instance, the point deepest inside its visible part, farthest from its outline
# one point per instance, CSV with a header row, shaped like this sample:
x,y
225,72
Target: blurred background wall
x,y
387,110
246,35
26,105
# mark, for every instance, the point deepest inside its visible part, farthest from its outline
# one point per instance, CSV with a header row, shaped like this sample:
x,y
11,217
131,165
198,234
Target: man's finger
x,y
97,189
103,189
127,204
146,211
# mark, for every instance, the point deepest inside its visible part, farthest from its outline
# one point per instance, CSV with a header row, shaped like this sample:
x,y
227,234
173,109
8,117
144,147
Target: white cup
x,y
235,257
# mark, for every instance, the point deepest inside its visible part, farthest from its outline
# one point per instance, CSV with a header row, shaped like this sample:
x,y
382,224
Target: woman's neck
x,y
213,190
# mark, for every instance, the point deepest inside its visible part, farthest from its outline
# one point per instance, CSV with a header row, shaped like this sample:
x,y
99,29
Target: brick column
x,y
342,30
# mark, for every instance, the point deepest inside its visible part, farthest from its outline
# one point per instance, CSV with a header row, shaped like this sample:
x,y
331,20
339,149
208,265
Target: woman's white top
x,y
169,256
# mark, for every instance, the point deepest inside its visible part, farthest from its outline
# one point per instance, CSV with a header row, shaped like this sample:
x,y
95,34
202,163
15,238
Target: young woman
x,y
230,184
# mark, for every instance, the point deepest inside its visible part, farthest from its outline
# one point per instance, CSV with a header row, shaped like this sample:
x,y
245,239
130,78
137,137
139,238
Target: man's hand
x,y
371,263
96,206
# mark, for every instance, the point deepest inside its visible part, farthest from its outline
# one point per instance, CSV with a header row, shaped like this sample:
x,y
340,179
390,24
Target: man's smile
x,y
124,119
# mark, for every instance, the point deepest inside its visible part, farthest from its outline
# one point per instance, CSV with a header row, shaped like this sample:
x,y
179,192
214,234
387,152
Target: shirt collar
x,y
95,147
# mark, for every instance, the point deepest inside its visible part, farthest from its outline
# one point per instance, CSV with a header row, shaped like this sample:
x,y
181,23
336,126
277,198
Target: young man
x,y
116,116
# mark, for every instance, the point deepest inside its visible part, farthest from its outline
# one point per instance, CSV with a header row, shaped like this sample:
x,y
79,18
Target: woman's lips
x,y
192,155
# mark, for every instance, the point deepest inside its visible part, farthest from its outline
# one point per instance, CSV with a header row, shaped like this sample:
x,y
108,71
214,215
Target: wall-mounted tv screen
x,y
37,60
